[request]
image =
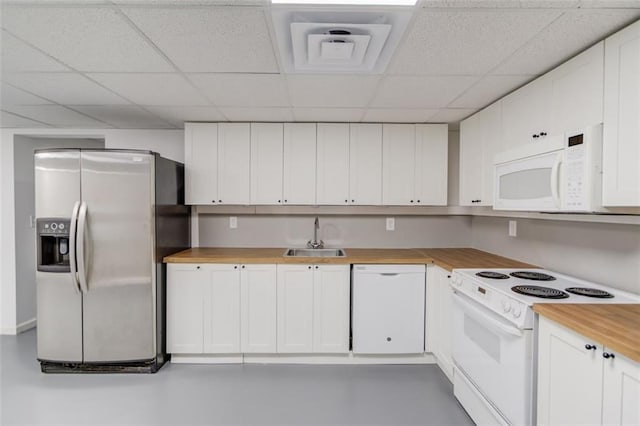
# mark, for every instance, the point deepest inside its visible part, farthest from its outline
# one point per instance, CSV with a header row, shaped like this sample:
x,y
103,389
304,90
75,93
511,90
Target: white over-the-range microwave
x,y
563,173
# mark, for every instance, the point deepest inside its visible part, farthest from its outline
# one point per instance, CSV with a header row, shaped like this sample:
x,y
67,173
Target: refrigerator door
x,y
115,252
59,302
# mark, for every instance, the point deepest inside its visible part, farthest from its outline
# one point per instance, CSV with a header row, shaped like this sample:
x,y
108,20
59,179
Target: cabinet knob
x,y
316,266
346,201
285,201
279,201
535,136
543,133
411,201
219,201
213,201
418,201
353,201
242,266
608,355
590,347
235,267
309,267
197,267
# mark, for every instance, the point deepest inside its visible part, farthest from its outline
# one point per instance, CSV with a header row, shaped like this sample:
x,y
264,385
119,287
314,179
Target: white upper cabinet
x,y
217,163
565,99
621,137
576,92
333,163
480,141
414,164
398,164
233,163
299,175
266,163
365,164
432,147
201,159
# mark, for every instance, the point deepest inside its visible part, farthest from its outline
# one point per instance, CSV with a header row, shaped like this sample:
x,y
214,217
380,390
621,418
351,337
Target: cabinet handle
x,y
412,201
543,133
608,355
535,136
213,201
590,347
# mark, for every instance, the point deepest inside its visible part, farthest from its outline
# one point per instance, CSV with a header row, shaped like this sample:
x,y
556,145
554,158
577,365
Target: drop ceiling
x,y
158,63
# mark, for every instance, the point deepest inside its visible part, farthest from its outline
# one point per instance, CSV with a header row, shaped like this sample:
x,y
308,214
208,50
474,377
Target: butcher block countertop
x,y
447,258
616,326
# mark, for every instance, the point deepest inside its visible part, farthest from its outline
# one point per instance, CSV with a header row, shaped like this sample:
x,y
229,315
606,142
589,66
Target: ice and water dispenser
x,y
53,244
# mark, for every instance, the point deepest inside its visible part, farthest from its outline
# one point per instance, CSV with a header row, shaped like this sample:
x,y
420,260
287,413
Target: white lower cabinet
x,y
258,308
578,385
313,308
221,310
438,318
185,286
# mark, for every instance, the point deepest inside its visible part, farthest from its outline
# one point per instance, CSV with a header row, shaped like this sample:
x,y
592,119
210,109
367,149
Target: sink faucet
x,y
315,244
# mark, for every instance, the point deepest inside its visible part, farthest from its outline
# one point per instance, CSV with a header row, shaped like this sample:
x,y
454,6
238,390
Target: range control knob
x,y
516,312
506,306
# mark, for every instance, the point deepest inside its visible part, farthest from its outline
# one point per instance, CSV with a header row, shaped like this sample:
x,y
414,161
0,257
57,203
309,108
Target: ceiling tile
x,y
152,89
124,116
451,115
56,116
566,37
11,120
420,91
398,115
178,115
10,95
489,89
466,42
257,114
218,39
328,114
194,2
247,90
88,39
331,90
64,88
19,56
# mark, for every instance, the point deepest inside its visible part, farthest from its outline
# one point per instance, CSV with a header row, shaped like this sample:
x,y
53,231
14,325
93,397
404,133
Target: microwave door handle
x,y
484,317
82,227
555,176
73,265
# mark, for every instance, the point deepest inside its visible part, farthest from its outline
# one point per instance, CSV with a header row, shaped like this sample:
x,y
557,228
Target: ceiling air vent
x,y
337,42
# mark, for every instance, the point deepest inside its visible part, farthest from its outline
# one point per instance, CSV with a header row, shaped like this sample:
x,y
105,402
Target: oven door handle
x,y
483,316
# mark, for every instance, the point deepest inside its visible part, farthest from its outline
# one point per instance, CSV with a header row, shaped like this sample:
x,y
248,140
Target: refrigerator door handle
x,y
73,265
82,227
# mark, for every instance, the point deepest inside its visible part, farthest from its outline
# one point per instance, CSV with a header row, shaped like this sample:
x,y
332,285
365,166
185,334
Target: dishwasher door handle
x,y
389,274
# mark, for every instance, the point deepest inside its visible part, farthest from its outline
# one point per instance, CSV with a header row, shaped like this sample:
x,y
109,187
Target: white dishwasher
x,y
388,309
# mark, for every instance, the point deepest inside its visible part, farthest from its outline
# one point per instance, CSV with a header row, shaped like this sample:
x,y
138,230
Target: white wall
x,y
336,231
169,143
24,209
600,252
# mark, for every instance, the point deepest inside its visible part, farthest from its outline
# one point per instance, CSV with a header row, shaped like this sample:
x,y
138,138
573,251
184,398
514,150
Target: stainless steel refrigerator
x,y
105,219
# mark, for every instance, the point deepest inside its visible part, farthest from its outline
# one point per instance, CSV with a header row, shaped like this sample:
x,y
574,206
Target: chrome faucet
x,y
315,244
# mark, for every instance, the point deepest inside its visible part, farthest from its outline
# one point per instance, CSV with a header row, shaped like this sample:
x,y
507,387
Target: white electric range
x,y
493,335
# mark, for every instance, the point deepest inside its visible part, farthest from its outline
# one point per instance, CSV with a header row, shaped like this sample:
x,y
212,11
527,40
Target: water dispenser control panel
x,y
53,244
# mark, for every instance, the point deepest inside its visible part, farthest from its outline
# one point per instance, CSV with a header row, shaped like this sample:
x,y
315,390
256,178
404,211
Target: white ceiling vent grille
x,y
337,42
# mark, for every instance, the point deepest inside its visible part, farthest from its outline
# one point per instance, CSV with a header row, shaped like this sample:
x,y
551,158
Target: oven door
x,y
496,357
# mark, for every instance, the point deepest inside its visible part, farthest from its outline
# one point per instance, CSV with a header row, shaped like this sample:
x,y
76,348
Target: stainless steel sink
x,y
308,252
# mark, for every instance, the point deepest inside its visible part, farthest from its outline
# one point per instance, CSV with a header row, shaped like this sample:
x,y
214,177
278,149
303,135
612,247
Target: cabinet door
x,y
576,92
266,163
299,163
398,164
201,159
295,309
331,305
471,161
233,163
333,163
621,138
491,136
442,307
365,164
621,391
258,307
222,309
569,377
432,146
526,113
185,288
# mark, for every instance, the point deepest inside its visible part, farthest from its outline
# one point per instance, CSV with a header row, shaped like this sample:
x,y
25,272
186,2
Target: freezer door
x,y
116,230
59,303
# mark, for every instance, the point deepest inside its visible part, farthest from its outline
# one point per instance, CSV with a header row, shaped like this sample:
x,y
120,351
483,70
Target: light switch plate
x,y
233,222
391,224
513,228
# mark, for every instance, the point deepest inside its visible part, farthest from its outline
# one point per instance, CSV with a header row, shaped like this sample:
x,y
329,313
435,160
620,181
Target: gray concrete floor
x,y
225,394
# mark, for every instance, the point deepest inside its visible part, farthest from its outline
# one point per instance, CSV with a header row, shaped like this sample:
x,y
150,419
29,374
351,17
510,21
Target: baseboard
x,y
347,358
206,359
20,328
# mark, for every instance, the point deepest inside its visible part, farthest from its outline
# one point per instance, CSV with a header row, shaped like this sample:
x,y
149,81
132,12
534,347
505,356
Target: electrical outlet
x,y
513,228
233,222
391,224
